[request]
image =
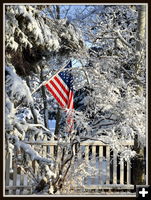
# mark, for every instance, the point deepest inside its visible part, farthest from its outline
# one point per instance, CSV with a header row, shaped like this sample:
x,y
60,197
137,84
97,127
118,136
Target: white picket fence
x,y
113,172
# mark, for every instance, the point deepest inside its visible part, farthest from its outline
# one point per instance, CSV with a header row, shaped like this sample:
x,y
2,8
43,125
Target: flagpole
x,y
44,82
38,87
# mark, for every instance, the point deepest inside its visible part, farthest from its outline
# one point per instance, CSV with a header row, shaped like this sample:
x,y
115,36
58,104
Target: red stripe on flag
x,y
70,121
57,89
55,96
70,102
61,85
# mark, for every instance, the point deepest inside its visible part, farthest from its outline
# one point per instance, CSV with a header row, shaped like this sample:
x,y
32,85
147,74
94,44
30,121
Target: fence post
x,y
121,171
52,151
101,164
108,165
87,161
7,169
93,162
114,167
22,182
39,138
15,170
44,147
128,172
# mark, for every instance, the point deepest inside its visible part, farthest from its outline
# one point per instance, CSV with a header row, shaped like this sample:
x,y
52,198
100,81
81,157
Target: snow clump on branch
x,y
27,27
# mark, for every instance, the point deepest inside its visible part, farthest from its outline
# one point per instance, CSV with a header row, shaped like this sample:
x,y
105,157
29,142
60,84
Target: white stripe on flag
x,y
60,88
63,83
57,94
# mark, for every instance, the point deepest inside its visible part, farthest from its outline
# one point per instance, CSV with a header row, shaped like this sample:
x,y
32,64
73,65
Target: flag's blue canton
x,y
67,77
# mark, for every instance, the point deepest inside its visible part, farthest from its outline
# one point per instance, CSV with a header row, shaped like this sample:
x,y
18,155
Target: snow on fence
x,y
113,172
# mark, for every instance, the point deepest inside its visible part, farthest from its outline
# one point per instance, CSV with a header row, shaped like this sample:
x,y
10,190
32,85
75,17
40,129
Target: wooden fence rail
x,y
112,172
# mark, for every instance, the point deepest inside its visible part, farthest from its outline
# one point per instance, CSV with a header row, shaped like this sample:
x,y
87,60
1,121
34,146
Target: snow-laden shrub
x,y
16,88
9,114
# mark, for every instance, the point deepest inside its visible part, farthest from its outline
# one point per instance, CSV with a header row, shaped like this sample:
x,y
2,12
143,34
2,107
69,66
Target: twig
x,y
124,41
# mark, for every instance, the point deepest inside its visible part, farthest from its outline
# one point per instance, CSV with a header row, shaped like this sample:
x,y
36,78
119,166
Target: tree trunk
x,y
44,100
141,25
32,106
58,117
138,164
141,30
57,12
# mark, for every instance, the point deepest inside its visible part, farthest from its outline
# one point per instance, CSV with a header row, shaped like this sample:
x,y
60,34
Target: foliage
x,y
109,80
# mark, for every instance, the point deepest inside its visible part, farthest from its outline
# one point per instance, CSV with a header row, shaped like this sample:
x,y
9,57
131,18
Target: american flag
x,y
61,87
